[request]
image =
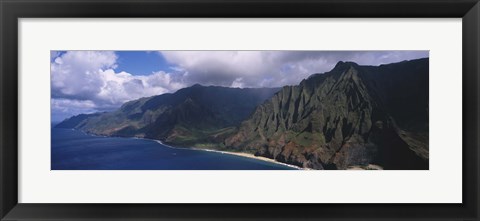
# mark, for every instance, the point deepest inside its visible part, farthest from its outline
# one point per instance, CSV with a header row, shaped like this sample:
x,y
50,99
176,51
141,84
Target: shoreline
x,y
240,154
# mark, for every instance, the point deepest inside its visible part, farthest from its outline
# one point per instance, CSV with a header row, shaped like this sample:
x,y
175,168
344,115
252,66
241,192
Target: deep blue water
x,y
75,150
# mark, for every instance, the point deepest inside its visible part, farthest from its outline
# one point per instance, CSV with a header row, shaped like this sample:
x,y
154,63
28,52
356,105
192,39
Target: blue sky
x,y
141,62
92,81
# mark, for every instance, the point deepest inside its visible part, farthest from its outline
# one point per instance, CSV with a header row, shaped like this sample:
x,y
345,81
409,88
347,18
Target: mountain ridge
x,y
194,112
339,119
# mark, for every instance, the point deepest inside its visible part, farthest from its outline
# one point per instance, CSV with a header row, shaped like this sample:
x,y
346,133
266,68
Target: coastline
x,y
247,155
240,154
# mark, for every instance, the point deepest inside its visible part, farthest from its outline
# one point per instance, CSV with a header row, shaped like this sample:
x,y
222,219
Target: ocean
x,y
76,150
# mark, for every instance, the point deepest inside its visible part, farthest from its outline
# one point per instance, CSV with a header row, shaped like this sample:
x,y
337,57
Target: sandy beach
x,y
248,155
252,156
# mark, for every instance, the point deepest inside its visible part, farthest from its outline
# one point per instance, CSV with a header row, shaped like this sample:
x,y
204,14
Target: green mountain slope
x,y
351,116
190,116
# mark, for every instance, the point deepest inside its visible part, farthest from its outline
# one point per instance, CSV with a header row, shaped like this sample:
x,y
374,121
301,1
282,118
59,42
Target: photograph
x,y
239,110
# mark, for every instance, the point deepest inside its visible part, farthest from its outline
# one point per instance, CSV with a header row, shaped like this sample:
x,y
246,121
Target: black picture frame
x,y
12,10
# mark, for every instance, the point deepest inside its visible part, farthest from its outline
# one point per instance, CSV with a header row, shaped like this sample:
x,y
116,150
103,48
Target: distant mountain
x,y
353,116
191,116
76,121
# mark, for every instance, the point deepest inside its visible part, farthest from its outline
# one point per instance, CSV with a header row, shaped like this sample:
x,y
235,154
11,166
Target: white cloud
x,y
121,87
66,105
221,67
270,68
237,83
86,80
63,108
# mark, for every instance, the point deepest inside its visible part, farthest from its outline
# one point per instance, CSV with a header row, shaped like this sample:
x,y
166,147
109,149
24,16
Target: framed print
x,y
256,110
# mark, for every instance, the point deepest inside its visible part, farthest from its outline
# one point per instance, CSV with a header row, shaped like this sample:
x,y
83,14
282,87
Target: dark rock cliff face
x,y
351,116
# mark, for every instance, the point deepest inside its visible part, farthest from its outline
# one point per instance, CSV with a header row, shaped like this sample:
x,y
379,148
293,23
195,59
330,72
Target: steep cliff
x,y
351,116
